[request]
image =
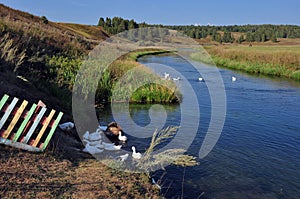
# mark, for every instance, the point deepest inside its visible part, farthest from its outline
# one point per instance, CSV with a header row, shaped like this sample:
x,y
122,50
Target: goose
x,y
94,136
167,76
92,149
122,137
176,78
66,126
201,79
135,155
124,157
111,147
233,78
86,135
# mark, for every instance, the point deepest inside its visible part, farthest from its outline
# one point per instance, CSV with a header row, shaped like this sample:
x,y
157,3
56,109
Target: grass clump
x,y
151,161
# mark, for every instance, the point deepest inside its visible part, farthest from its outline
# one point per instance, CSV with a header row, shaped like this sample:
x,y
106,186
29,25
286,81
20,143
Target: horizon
x,y
226,14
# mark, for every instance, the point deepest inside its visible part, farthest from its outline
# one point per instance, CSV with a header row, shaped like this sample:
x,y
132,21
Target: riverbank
x,y
158,91
273,60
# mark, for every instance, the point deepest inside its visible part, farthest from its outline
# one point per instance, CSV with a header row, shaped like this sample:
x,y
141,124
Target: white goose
x,y
176,78
124,157
111,147
92,149
166,76
201,79
94,136
135,155
66,126
233,78
122,137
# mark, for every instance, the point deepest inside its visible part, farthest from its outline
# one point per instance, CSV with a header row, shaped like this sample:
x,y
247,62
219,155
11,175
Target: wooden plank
x,y
34,125
19,145
15,119
8,111
25,121
46,122
52,131
3,100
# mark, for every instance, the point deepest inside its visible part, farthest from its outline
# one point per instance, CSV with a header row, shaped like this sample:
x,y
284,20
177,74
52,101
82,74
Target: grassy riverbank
x,y
134,74
273,60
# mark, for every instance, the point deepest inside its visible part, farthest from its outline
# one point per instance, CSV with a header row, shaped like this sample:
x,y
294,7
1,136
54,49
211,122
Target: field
x,y
276,59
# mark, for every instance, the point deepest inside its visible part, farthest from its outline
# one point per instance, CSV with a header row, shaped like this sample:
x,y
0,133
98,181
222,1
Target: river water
x,y
258,152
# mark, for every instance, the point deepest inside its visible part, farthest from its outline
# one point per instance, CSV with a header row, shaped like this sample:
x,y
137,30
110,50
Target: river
x,y
258,152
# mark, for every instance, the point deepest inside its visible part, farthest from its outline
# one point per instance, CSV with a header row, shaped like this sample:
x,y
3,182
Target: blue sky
x,y
167,12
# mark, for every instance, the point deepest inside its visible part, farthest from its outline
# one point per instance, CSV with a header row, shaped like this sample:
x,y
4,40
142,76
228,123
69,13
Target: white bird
x,y
66,126
176,78
122,137
233,78
201,79
167,76
92,149
86,135
135,155
124,157
95,136
111,147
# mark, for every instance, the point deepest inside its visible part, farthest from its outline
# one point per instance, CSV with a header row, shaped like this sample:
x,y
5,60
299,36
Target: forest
x,y
222,34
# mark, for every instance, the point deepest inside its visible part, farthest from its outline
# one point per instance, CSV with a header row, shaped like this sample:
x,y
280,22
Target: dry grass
x,y
277,60
26,175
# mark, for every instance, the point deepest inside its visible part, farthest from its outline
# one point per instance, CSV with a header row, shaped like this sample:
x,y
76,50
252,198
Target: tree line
x,y
248,33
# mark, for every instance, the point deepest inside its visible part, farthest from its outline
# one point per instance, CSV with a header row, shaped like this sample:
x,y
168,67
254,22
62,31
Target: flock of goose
x,y
200,79
94,144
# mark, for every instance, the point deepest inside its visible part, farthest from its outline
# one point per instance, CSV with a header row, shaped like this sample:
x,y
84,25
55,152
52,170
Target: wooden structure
x,y
26,128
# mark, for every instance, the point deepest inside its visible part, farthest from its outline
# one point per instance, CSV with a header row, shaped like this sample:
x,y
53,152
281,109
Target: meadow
x,y
282,60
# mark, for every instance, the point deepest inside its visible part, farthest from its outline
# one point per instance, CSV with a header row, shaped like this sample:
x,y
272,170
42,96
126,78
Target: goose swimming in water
x,y
135,155
233,78
201,79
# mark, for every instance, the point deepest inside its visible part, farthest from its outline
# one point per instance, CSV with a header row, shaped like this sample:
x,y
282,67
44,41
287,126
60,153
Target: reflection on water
x,y
258,154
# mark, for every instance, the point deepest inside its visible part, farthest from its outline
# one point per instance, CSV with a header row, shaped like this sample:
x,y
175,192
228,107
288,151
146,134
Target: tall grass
x,y
282,61
127,71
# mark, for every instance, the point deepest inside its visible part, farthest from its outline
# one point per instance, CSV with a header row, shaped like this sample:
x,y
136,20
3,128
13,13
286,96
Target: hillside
x,y
28,46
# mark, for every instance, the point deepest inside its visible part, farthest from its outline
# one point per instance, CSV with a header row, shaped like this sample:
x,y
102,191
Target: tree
x,y
101,22
44,20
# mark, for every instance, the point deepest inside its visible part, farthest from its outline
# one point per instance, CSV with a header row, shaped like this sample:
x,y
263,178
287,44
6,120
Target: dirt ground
x,y
62,171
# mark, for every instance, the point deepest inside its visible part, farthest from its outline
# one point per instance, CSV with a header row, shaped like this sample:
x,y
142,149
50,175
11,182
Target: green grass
x,y
134,75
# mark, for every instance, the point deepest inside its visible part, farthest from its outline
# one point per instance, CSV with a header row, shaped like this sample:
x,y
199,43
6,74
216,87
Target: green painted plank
x,y
52,131
3,100
34,125
8,111
24,123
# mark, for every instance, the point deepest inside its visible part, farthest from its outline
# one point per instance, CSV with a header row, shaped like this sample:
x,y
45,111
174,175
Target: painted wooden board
x,y
52,130
34,125
3,100
8,111
24,123
15,119
45,124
